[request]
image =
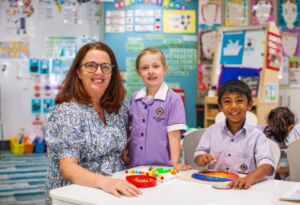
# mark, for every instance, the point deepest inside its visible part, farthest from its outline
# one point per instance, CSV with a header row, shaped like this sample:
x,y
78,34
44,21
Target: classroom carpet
x,y
22,178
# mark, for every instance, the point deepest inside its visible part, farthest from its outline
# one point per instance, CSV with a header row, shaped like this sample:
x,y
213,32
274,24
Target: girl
x,y
282,129
157,116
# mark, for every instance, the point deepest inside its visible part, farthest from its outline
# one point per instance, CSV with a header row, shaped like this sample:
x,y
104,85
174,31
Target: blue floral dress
x,y
75,130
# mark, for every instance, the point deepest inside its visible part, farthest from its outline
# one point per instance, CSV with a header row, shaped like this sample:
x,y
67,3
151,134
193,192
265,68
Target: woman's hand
x,y
119,187
71,171
181,166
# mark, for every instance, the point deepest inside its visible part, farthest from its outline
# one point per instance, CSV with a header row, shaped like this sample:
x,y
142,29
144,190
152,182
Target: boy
x,y
234,145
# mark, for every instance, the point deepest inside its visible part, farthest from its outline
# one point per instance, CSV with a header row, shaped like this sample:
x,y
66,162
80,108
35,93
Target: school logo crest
x,y
160,111
244,167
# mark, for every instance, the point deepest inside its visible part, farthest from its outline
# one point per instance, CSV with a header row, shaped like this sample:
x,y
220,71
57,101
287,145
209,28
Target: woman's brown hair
x,y
72,88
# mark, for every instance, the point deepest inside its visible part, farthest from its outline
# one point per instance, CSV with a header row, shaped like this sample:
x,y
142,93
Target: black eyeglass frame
x,y
98,65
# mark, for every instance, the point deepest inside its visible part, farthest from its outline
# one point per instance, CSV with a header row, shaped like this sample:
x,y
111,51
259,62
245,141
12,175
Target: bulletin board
x,y
129,28
241,48
251,54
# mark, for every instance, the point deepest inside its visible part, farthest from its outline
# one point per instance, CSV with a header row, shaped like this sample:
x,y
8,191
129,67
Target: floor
x,y
22,178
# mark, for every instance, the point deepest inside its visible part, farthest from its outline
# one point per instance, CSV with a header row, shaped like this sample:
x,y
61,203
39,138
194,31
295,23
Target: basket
x,y
28,147
15,147
39,146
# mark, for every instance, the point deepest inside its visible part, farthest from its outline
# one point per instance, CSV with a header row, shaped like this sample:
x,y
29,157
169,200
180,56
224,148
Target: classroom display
x,y
252,54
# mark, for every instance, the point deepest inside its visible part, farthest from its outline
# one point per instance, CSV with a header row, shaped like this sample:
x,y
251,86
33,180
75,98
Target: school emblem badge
x,y
160,111
244,167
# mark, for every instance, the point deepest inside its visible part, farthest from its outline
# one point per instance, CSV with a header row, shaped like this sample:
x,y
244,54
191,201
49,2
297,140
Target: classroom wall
x,y
38,41
240,13
128,29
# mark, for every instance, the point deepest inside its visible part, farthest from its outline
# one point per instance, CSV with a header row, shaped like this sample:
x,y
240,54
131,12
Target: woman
x,y
87,129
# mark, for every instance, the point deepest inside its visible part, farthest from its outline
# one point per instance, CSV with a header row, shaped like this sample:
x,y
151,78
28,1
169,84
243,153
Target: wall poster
x,y
232,49
289,13
209,14
236,12
274,51
176,21
262,11
207,44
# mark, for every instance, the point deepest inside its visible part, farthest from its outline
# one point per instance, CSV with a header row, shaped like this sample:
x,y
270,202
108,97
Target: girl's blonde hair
x,y
152,51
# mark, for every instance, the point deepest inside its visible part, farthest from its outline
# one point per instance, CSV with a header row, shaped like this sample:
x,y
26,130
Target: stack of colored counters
x,y
157,173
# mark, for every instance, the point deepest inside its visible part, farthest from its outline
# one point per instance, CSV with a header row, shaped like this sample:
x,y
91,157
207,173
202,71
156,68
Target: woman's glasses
x,y
92,67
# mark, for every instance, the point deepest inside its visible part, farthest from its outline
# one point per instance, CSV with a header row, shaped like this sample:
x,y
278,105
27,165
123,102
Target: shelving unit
x,y
268,77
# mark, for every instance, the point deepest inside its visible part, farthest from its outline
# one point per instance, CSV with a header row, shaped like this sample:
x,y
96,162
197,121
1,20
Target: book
x,y
292,195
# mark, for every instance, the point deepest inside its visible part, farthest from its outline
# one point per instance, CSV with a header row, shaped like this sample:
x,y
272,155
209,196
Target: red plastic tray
x,y
142,181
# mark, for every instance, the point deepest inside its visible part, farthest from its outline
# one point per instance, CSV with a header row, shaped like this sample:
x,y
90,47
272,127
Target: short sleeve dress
x,y
75,130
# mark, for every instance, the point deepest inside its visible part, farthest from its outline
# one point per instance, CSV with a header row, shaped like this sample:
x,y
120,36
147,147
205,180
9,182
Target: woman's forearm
x,y
73,172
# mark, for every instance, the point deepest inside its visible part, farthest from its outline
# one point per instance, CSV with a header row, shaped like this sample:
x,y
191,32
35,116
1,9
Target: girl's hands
x,y
181,166
119,187
124,156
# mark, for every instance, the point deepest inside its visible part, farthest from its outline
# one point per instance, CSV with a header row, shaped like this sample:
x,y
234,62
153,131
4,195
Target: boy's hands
x,y
241,183
254,177
181,166
205,159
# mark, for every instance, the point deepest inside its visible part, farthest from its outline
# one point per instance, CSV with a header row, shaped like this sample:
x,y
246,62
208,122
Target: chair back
x,y
251,118
190,143
276,154
293,153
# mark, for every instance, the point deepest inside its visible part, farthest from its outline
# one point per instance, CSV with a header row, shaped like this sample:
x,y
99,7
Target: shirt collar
x,y
245,127
161,94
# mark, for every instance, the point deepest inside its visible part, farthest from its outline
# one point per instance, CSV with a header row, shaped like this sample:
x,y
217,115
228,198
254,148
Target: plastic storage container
x,y
39,145
15,146
28,147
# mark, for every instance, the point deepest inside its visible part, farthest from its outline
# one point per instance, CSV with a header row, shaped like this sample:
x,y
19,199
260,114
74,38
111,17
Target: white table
x,y
176,191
